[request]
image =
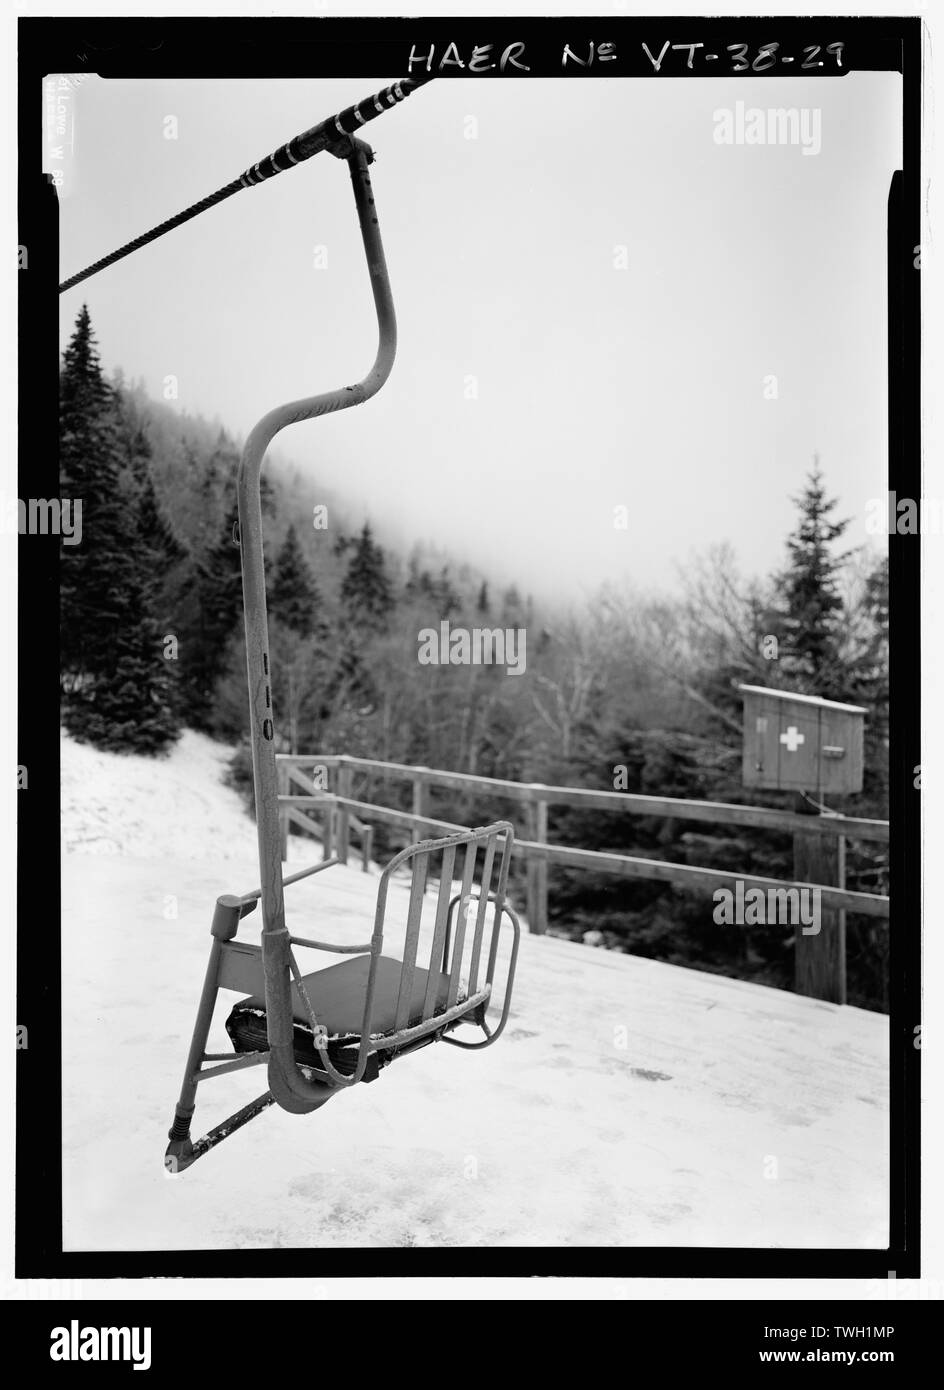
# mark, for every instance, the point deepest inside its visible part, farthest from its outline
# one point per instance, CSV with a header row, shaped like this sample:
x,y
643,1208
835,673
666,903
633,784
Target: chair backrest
x,y
460,969
472,871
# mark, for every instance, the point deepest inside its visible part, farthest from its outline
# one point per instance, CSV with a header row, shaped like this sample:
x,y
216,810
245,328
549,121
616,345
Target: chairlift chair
x,y
320,1033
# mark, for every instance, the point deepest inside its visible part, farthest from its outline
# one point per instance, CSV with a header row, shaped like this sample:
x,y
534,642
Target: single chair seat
x,y
320,1021
337,997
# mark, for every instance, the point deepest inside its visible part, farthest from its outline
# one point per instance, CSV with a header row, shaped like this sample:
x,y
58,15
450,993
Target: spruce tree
x,y
117,690
211,486
89,473
367,599
158,538
128,706
162,551
871,686
365,590
810,607
164,546
293,596
218,592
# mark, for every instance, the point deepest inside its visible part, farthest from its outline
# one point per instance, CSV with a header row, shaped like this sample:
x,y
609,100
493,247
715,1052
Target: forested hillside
x,y
633,691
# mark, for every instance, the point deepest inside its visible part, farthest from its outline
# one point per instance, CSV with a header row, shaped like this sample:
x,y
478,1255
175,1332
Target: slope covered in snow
x,y
628,1103
166,808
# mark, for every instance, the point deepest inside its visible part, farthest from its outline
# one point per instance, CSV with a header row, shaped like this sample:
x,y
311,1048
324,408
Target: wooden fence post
x,y
841,914
537,867
420,804
327,826
820,955
345,782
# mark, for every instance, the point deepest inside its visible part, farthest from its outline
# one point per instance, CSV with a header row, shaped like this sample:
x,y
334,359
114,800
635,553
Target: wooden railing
x,y
336,824
820,964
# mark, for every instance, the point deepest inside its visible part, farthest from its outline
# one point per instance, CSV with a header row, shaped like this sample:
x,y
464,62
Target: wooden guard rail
x,y
820,967
335,828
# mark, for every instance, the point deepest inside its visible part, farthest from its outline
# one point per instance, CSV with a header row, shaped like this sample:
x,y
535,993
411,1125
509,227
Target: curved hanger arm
x,y
286,1081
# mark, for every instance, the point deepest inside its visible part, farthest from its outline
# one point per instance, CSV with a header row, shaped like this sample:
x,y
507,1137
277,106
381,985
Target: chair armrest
x,y
492,1035
249,900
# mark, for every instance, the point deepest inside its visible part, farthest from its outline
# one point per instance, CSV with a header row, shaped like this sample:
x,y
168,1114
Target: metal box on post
x,y
801,743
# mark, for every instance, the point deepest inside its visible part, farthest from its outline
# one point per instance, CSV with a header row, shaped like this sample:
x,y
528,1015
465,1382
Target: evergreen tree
x,y
294,596
481,603
162,543
164,547
876,602
871,685
367,599
365,590
218,596
216,490
130,707
162,550
89,472
117,689
447,600
419,584
211,486
811,607
413,586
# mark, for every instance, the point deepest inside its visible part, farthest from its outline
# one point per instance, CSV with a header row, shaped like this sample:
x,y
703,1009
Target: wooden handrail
x,y
819,959
625,865
666,807
291,806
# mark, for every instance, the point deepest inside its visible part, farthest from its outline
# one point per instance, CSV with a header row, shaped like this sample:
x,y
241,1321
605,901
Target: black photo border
x,y
377,49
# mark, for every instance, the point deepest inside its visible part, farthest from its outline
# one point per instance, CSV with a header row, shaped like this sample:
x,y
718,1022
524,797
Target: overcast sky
x,y
597,386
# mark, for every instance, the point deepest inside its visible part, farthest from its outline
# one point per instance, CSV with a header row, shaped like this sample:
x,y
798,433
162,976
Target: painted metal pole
x,y
287,1083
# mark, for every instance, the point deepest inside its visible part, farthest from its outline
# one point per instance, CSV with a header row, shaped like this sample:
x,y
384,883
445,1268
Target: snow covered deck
x,y
628,1103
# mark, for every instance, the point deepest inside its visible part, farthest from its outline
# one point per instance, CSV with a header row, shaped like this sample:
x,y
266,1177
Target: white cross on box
x,y
792,738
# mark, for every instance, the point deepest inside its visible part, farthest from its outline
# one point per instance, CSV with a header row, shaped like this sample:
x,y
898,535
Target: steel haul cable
x,y
295,151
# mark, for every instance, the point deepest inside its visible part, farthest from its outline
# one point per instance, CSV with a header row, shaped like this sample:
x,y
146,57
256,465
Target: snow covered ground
x,y
628,1103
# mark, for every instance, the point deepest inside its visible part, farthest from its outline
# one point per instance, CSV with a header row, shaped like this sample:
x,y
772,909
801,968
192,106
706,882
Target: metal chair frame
x,y
239,966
